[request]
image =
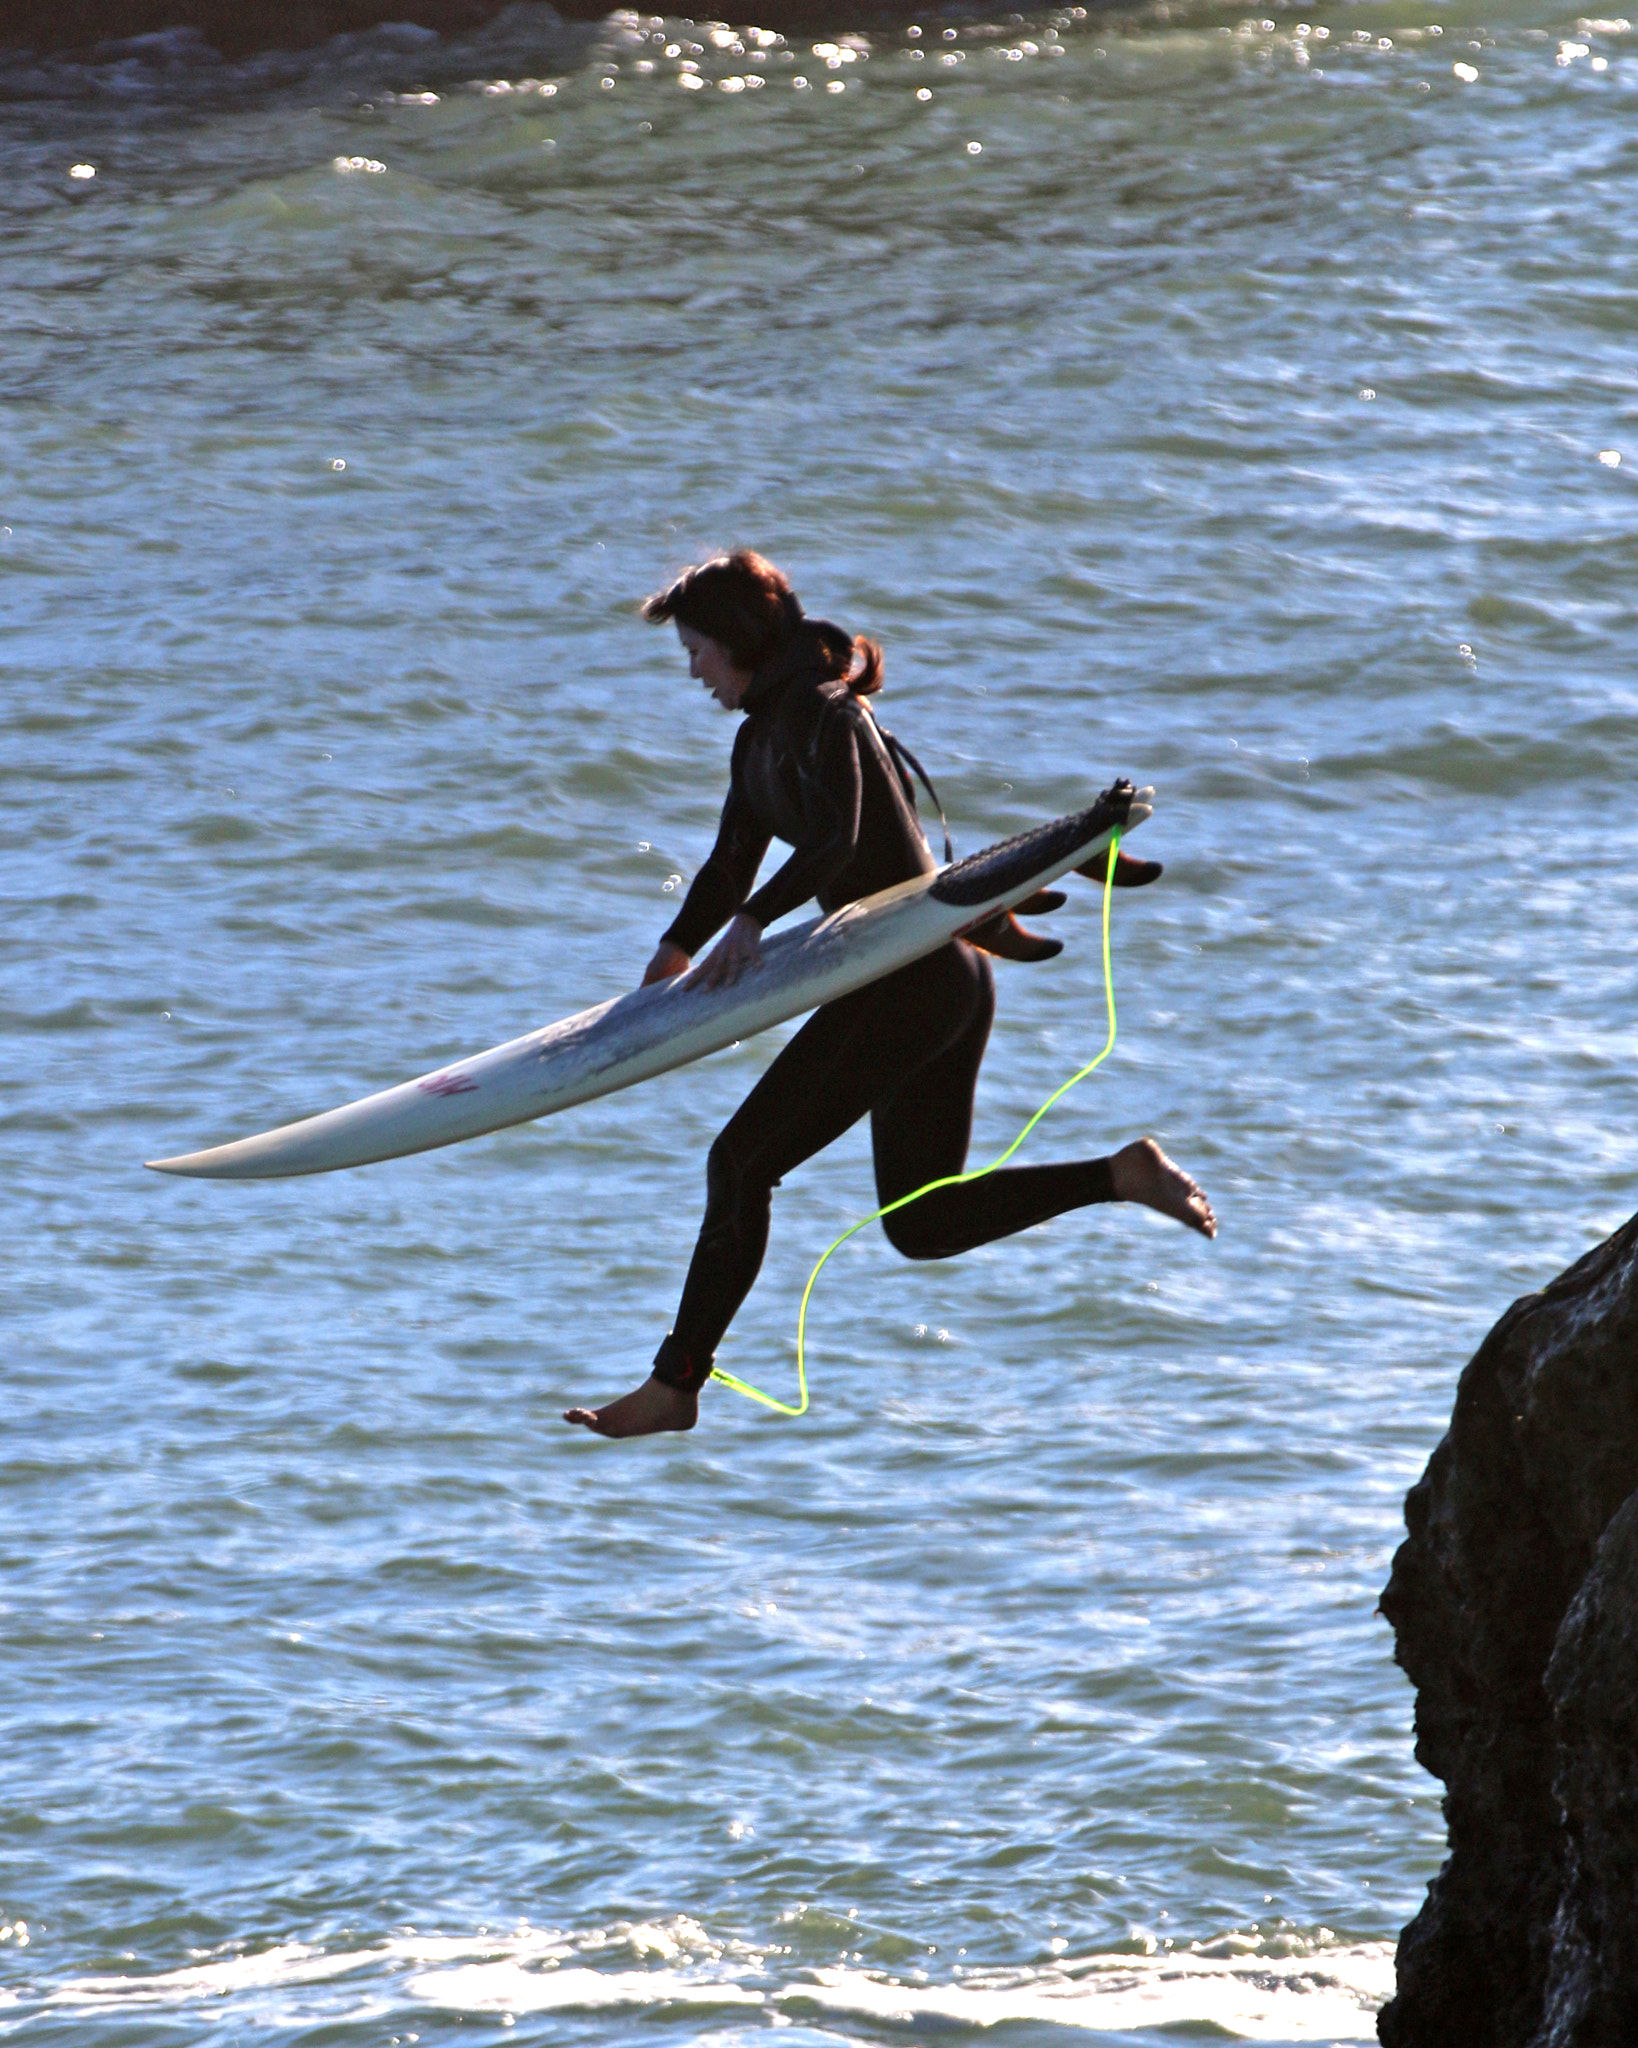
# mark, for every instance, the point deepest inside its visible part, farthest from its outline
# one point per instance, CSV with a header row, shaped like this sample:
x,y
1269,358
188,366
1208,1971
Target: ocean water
x,y
1247,405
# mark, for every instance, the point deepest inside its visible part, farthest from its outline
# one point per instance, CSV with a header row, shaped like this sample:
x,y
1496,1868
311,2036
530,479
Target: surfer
x,y
812,767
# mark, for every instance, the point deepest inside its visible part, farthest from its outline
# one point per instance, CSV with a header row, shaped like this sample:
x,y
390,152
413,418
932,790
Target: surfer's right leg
x,y
921,1133
1143,1173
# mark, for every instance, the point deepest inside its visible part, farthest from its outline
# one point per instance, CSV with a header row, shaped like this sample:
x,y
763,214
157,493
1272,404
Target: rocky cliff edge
x,y
1514,1604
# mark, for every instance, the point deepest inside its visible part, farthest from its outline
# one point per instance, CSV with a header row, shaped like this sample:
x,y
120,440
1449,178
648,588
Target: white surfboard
x,y
672,1022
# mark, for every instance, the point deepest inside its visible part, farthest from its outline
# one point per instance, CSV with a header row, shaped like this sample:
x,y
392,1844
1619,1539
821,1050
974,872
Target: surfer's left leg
x,y
820,1084
646,1411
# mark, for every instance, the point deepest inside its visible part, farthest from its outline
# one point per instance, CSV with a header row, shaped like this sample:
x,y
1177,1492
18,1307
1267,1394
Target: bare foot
x,y
645,1411
1143,1173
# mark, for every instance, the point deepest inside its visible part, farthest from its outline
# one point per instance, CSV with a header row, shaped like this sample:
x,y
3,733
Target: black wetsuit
x,y
810,767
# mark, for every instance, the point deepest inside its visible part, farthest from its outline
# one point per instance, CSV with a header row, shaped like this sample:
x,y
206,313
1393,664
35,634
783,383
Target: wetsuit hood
x,y
813,647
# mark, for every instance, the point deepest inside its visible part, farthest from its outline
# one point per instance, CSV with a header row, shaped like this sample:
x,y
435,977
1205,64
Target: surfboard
x,y
651,1030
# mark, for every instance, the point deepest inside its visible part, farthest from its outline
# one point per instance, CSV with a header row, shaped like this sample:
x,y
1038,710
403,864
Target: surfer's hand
x,y
669,959
739,947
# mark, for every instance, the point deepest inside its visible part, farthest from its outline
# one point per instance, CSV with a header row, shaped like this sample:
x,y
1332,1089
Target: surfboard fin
x,y
1007,939
1129,873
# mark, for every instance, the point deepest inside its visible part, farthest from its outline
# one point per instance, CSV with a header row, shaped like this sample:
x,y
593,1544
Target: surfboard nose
x,y
219,1163
210,1165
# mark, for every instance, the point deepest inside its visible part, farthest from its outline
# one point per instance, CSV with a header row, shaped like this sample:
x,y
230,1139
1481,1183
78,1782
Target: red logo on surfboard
x,y
447,1084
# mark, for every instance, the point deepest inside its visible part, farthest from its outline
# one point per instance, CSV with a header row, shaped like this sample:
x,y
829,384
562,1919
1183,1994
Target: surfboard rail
x,y
647,1031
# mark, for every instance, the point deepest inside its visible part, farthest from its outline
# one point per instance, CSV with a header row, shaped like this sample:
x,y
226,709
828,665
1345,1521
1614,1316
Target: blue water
x,y
1242,415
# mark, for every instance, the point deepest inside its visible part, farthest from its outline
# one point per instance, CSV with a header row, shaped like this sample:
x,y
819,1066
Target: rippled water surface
x,y
1247,406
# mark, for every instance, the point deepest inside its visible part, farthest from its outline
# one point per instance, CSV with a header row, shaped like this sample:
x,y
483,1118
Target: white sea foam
x,y
290,1964
1330,1997
1331,1993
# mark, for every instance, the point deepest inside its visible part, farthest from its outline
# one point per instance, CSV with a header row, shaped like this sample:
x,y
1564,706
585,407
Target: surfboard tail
x,y
1025,861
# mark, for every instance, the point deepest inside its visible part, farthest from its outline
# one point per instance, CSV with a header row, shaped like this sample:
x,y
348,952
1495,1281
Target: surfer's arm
x,y
722,884
832,792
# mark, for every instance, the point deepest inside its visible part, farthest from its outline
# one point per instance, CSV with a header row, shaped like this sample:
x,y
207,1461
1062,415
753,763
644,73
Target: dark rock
x,y
233,27
237,28
1592,1983
1504,1524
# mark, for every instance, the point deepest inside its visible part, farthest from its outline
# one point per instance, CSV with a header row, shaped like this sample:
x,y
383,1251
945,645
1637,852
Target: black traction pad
x,y
1013,862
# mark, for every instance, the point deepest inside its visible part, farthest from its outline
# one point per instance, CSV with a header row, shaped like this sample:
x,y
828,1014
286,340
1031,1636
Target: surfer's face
x,y
708,663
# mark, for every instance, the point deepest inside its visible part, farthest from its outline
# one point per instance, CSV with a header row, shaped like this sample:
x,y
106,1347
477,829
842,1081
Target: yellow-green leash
x,y
950,1180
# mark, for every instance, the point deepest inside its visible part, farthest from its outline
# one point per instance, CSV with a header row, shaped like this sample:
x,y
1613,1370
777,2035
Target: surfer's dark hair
x,y
748,607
